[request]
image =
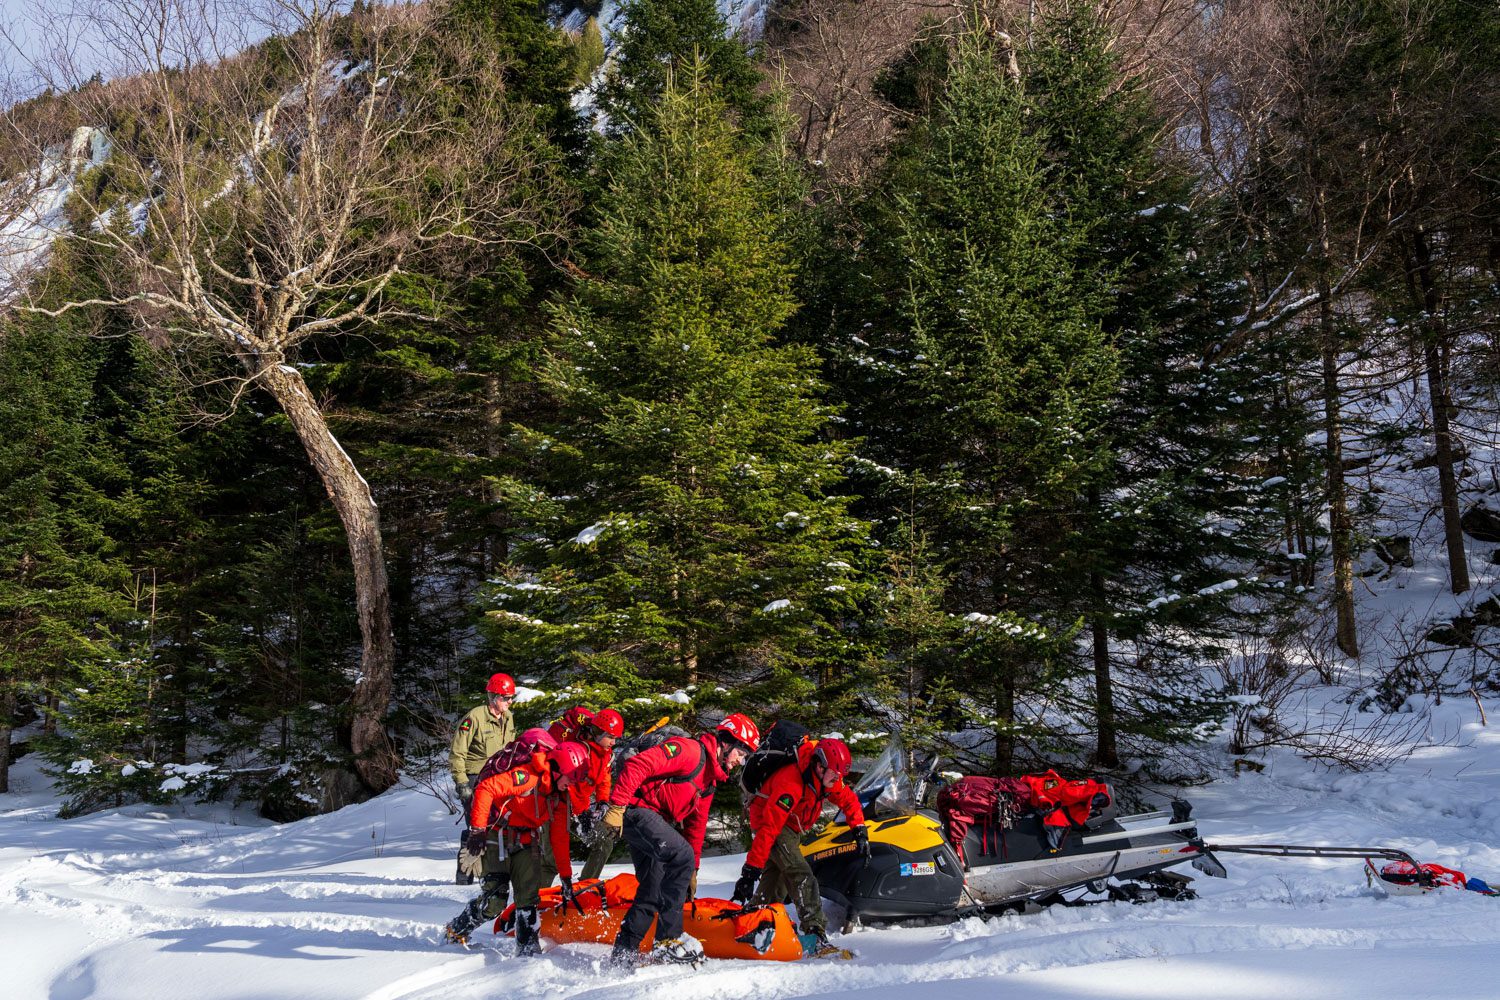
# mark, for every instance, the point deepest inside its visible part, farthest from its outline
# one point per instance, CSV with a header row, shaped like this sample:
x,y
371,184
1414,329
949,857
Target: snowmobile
x,y
912,872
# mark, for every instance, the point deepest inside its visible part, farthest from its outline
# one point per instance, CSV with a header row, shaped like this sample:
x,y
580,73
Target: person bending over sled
x,y
781,811
512,812
660,805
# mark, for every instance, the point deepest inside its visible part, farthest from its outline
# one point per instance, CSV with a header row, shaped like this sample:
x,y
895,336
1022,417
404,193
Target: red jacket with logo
x,y
683,802
523,800
791,799
1063,802
596,787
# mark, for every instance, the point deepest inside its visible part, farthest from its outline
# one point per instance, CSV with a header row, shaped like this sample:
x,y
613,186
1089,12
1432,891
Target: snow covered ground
x,y
197,902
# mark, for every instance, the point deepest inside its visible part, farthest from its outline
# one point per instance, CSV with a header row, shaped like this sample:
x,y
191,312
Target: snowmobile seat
x,y
1103,817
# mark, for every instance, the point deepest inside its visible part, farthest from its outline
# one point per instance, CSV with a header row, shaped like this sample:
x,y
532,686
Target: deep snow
x,y
198,902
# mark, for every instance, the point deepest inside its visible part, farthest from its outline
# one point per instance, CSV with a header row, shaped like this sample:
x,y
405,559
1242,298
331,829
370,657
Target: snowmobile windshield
x,y
886,788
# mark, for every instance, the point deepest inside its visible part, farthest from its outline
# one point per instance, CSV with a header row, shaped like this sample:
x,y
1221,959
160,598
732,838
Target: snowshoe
x,y
818,946
451,936
686,950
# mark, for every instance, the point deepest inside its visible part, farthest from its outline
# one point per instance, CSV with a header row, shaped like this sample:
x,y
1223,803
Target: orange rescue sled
x,y
726,930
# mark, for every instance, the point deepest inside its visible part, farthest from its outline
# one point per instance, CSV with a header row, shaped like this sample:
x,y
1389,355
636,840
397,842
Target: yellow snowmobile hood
x,y
912,834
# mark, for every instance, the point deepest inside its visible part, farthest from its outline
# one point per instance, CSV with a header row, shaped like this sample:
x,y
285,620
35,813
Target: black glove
x,y
569,896
465,793
862,841
476,839
745,887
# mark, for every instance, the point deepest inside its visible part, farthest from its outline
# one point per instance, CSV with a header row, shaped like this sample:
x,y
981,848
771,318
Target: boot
x,y
458,929
527,924
815,943
685,950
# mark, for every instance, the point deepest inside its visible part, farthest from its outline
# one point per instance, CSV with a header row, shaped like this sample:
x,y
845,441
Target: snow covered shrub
x,y
108,751
1278,702
1431,658
309,781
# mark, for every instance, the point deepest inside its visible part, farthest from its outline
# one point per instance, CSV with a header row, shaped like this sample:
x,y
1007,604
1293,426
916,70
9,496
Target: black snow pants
x,y
663,868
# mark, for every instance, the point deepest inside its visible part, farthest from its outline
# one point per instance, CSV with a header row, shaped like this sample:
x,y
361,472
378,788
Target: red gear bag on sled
x,y
725,929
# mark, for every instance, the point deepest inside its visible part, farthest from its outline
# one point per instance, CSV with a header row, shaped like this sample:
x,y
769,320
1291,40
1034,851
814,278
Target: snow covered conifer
x,y
979,371
696,533
1172,527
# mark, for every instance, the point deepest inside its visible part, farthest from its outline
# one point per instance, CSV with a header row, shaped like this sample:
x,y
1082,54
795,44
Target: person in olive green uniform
x,y
486,729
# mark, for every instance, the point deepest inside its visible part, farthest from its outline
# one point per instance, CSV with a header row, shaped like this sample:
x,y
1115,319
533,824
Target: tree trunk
x,y
1453,532
7,713
375,757
497,548
1340,524
1434,354
1005,715
1107,753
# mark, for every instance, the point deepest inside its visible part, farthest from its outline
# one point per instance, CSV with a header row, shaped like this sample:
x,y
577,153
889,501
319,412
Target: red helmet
x,y
571,759
501,684
609,722
834,754
739,727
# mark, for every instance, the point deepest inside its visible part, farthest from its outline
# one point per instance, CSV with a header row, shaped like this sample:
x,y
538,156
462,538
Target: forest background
x,y
1051,379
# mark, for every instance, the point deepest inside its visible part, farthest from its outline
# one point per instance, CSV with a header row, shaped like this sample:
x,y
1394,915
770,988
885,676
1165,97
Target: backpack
x,y
777,750
517,752
987,801
626,749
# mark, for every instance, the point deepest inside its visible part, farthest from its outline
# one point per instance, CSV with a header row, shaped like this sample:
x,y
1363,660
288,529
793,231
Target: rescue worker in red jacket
x,y
592,790
785,807
660,805
525,811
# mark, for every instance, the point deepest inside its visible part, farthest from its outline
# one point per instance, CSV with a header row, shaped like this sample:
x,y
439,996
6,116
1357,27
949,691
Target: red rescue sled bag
x,y
725,929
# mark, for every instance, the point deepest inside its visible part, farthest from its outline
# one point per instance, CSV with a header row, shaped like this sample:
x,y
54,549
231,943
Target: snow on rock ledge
x,y
33,207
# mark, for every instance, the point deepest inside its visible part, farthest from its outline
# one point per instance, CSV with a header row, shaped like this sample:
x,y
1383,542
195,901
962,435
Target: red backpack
x,y
517,752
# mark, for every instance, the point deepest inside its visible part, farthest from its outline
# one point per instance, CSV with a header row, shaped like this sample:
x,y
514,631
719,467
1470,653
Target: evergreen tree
x,y
659,39
538,56
697,536
1169,533
980,373
62,578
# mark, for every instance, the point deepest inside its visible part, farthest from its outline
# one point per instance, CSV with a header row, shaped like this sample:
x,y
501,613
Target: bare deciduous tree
x,y
256,201
829,56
